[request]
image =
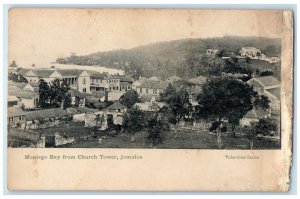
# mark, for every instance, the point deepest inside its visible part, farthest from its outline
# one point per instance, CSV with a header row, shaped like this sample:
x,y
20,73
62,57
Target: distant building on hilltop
x,y
212,51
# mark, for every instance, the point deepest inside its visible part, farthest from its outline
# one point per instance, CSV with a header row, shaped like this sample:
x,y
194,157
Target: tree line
x,y
224,100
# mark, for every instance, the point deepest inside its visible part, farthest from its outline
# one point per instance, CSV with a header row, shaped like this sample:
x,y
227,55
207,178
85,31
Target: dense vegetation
x,y
172,58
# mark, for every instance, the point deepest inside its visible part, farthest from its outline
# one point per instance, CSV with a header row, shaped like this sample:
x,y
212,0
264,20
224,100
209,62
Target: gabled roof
x,y
153,84
275,92
256,113
15,111
43,72
70,72
47,113
23,71
117,106
17,84
267,80
12,98
76,93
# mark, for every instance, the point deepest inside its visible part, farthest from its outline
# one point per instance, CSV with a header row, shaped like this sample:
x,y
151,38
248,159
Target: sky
x,y
40,36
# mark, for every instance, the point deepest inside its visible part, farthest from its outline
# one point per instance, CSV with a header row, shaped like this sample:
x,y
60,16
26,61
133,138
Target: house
x,y
117,107
151,105
115,114
16,116
250,52
112,96
13,101
77,79
197,81
151,87
126,84
212,51
99,82
254,115
78,98
29,99
268,86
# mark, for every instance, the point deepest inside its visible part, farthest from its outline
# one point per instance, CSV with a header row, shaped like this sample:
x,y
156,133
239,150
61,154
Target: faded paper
x,y
159,169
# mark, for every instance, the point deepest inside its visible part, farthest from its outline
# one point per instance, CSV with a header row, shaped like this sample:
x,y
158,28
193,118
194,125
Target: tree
x,y
129,98
44,93
262,101
133,121
156,125
265,126
59,94
225,98
17,78
179,104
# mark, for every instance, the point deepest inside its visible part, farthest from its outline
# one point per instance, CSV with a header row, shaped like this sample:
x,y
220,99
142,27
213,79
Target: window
x,y
84,90
147,90
20,118
141,90
122,87
154,91
84,81
117,87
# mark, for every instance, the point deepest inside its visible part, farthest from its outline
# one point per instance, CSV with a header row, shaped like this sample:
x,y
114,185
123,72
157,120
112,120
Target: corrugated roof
x,y
153,84
47,113
268,80
117,106
15,111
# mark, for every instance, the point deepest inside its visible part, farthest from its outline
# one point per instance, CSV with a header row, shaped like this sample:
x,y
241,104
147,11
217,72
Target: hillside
x,y
169,58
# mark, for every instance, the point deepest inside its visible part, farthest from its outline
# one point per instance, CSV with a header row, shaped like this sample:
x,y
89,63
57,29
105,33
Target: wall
x,y
81,85
79,117
28,103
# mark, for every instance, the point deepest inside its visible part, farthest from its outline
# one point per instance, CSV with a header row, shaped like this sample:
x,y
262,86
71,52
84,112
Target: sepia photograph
x,y
136,79
149,99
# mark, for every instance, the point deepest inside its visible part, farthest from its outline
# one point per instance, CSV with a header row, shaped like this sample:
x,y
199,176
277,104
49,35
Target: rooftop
x,y
47,113
256,113
267,80
153,84
117,106
15,111
12,98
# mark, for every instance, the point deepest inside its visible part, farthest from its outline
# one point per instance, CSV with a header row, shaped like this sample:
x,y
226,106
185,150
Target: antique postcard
x,y
149,99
